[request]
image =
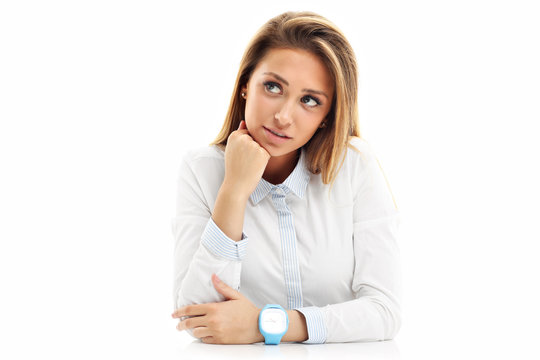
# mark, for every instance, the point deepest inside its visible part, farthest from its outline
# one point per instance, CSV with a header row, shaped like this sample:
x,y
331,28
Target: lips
x,y
274,140
285,136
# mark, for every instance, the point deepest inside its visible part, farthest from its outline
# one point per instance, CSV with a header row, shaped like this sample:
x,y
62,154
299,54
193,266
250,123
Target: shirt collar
x,y
296,182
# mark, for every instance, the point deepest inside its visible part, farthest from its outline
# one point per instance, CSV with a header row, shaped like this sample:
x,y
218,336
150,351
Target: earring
x,y
323,125
244,95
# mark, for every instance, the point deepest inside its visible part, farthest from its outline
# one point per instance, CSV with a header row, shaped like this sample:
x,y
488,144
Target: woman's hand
x,y
234,321
245,161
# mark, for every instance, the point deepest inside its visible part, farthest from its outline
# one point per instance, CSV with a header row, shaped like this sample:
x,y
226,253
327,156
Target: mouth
x,y
276,133
274,139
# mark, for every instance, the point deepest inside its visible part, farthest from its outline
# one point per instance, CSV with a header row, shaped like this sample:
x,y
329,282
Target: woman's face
x,y
290,92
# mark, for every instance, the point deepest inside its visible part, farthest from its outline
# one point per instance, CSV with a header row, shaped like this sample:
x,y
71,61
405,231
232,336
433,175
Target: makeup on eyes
x,y
268,84
279,78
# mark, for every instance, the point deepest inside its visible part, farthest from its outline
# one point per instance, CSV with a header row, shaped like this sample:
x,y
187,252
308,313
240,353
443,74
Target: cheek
x,y
260,107
309,129
311,122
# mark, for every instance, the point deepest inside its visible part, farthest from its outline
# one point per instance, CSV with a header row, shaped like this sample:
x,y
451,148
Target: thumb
x,y
225,289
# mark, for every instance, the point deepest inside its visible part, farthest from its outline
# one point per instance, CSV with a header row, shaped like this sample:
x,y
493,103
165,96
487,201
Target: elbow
x,y
390,315
393,325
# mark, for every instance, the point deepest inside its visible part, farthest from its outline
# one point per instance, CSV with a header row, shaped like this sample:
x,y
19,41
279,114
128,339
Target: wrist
x,y
258,335
228,212
297,331
233,192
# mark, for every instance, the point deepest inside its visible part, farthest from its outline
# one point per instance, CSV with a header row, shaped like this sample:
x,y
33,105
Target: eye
x,y
272,87
310,101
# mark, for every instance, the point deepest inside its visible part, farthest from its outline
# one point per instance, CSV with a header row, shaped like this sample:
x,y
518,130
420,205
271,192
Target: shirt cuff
x,y
221,245
315,325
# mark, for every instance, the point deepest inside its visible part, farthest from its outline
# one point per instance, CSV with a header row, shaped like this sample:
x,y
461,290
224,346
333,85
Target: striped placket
x,y
291,268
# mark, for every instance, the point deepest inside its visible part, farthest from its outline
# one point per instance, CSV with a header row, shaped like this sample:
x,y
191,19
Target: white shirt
x,y
331,255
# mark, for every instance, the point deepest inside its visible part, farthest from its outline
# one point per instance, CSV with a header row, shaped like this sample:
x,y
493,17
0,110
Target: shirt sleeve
x,y
316,327
200,247
374,314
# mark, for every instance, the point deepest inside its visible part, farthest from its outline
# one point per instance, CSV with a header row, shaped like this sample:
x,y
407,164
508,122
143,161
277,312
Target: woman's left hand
x,y
234,321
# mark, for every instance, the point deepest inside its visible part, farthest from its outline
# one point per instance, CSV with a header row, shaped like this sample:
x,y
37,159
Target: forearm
x,y
220,250
368,318
229,211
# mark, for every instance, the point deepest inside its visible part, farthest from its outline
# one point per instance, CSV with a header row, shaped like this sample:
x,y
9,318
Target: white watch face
x,y
274,321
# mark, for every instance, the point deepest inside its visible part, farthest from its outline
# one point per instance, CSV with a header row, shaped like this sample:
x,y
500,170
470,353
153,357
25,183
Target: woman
x,y
288,206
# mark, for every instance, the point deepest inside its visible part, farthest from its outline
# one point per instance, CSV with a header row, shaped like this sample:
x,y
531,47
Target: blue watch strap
x,y
273,338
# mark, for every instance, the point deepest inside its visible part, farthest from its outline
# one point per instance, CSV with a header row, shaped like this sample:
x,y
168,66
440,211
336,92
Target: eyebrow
x,y
287,83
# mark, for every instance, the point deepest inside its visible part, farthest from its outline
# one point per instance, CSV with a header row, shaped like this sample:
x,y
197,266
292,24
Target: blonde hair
x,y
314,33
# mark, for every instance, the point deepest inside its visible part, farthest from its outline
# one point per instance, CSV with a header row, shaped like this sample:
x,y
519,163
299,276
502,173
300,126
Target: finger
x,y
192,322
192,310
201,332
225,289
208,340
242,125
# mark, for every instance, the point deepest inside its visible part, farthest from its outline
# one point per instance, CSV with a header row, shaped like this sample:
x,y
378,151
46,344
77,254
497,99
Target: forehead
x,y
299,67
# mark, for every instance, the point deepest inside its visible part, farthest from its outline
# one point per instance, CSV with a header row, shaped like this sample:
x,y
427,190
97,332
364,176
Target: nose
x,y
284,117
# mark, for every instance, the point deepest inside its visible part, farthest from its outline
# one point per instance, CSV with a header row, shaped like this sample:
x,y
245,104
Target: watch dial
x,y
273,321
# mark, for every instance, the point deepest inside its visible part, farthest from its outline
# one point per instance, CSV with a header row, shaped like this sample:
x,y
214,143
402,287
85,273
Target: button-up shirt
x,y
330,253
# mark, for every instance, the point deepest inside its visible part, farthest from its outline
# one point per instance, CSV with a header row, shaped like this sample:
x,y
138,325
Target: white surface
x,y
378,350
99,99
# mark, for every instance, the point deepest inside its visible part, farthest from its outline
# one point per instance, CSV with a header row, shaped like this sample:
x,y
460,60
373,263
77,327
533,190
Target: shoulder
x,y
361,161
202,154
369,180
351,172
203,160
359,152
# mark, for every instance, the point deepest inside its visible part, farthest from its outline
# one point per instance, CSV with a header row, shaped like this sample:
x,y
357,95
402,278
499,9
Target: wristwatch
x,y
273,323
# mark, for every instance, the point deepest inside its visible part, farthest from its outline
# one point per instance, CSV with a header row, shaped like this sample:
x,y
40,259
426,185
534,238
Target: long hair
x,y
326,150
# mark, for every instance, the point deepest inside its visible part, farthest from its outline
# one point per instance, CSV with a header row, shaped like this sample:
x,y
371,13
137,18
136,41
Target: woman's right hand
x,y
245,162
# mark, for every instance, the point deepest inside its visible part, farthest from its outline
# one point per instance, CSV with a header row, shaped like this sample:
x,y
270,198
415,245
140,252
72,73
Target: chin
x,y
280,152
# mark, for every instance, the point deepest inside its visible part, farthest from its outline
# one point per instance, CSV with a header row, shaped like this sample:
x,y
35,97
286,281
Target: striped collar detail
x,y
296,182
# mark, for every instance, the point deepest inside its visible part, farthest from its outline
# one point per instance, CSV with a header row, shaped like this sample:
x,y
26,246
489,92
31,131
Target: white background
x,y
99,100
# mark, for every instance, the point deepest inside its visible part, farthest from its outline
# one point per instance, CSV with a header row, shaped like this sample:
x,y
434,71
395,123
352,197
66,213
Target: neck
x,y
280,167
